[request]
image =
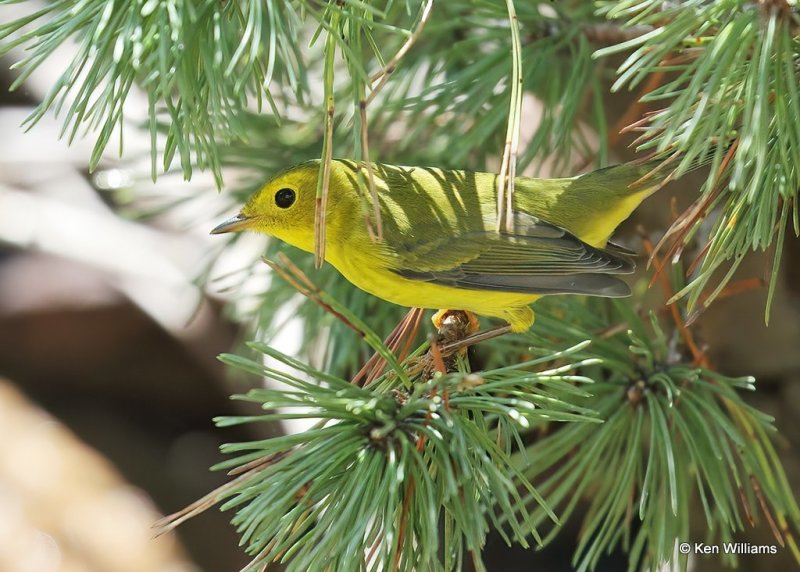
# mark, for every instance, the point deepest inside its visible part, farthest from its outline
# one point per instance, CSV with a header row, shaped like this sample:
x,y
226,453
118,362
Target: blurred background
x,y
108,376
110,322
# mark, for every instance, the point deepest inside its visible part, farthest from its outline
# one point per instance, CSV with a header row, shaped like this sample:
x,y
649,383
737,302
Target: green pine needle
x,y
734,76
380,469
673,434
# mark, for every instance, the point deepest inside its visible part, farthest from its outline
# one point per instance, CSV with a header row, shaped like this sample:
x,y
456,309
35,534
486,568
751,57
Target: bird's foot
x,y
452,326
459,329
456,331
455,324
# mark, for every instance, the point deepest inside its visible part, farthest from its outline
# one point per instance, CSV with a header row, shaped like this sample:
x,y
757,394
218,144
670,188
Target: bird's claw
x,y
453,325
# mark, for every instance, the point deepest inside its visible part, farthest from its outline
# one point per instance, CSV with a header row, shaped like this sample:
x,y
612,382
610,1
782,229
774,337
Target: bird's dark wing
x,y
615,248
536,258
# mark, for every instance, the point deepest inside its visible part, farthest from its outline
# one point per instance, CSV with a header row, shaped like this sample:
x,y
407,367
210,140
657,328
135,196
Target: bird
x,y
441,245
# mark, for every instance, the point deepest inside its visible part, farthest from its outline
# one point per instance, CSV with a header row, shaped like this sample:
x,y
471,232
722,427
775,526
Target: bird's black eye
x,y
285,198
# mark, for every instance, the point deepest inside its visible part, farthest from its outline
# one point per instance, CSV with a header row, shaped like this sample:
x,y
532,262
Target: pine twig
x,y
508,166
680,227
633,114
400,338
382,76
300,281
699,356
373,190
323,186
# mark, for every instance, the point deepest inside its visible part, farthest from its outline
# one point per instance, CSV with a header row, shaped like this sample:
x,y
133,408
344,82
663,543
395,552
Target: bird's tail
x,y
614,192
629,178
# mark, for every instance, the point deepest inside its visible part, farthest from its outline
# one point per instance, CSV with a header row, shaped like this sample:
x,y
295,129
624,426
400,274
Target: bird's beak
x,y
233,224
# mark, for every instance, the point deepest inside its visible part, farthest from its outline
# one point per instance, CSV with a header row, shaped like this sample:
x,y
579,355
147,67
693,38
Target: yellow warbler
x,y
441,247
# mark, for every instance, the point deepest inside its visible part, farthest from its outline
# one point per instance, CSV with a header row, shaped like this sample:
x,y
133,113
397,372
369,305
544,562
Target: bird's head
x,y
284,207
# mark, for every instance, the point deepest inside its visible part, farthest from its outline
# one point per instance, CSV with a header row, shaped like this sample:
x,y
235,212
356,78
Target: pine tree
x,y
607,411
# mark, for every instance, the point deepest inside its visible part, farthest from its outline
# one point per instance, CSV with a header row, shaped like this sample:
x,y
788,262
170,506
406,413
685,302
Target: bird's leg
x,y
474,324
451,326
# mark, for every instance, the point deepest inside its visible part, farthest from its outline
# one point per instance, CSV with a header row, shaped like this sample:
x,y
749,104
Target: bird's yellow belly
x,y
384,283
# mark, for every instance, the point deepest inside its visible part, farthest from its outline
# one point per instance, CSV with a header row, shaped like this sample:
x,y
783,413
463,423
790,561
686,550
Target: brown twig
x,y
257,463
690,216
696,260
440,367
297,278
383,74
609,34
404,332
508,165
641,124
452,347
409,493
436,354
632,115
320,212
739,287
765,509
746,506
476,559
373,189
373,550
699,356
417,314
172,521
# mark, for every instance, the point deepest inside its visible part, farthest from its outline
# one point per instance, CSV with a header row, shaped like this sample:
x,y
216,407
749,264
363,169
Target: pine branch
x,y
674,433
201,63
465,57
512,448
350,473
735,70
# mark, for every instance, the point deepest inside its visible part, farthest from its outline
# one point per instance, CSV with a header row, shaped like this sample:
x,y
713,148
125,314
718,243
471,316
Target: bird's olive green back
x,y
448,202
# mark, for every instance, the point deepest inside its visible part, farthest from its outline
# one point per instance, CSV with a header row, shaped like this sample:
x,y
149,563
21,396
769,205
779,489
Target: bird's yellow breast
x,y
373,274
